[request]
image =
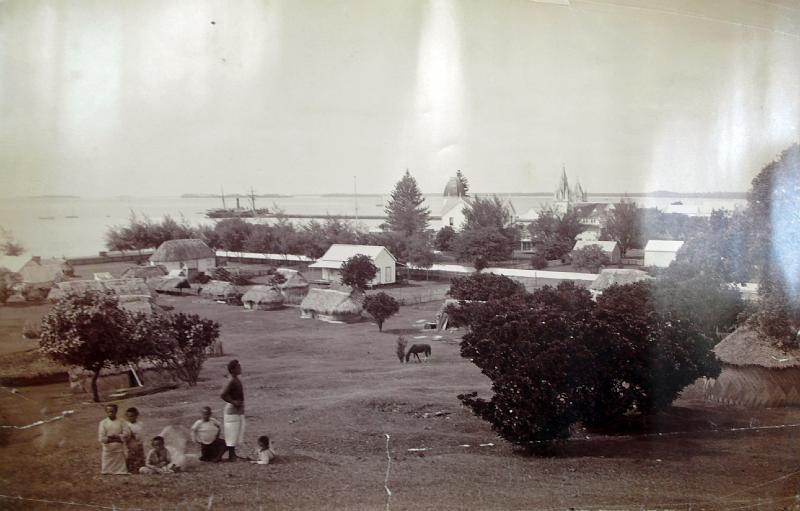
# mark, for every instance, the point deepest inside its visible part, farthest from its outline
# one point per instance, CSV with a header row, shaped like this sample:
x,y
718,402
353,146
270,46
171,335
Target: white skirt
x,y
234,429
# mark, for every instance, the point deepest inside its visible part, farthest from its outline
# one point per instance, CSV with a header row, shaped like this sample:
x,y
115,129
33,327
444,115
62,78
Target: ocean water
x,y
77,227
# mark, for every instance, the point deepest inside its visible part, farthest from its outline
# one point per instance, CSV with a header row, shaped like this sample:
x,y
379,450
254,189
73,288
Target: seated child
x,y
264,453
158,460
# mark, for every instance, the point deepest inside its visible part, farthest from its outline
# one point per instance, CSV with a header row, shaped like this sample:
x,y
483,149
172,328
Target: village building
x,y
331,262
144,272
295,287
191,254
332,305
609,248
754,372
220,290
43,273
120,287
661,253
265,298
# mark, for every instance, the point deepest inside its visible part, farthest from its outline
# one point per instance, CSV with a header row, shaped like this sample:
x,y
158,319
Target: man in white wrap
x,y
233,417
112,434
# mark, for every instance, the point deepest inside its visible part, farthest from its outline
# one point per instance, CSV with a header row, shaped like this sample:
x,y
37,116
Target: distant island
x,y
53,197
233,195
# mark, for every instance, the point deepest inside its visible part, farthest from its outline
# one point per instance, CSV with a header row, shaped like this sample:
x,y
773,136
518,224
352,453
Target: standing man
x,y
112,433
233,418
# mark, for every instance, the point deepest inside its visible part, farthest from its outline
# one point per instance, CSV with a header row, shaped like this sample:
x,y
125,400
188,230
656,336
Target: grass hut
x,y
169,285
331,305
265,298
754,372
192,254
120,287
610,277
144,272
220,290
296,286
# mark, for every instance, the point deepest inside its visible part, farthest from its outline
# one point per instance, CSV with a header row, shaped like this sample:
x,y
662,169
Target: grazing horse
x,y
416,349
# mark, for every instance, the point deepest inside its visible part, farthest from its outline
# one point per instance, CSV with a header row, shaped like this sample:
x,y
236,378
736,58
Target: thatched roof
x,y
330,301
218,289
745,347
263,294
182,250
165,284
121,287
40,271
145,272
621,276
138,304
293,278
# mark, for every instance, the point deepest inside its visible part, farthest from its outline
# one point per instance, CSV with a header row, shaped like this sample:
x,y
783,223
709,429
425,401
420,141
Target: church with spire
x,y
565,197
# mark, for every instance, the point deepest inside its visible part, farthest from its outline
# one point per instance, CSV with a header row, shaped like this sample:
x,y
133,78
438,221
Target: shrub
x,y
33,294
538,262
400,349
590,258
5,291
555,357
445,238
89,330
381,307
178,343
358,271
30,330
484,286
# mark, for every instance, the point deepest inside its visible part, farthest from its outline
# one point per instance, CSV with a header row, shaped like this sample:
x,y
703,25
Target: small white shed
x,y
332,260
661,253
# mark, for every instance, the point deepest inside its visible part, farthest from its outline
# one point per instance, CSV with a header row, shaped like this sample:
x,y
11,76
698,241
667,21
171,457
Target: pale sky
x,y
143,97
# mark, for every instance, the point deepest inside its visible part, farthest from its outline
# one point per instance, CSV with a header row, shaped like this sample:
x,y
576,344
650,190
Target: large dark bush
x,y
555,358
484,286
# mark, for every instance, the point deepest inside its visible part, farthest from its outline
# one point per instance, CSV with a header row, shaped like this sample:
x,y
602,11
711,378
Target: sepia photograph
x,y
513,255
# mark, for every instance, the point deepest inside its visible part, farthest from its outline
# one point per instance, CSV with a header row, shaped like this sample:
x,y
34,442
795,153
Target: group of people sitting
x,y
123,445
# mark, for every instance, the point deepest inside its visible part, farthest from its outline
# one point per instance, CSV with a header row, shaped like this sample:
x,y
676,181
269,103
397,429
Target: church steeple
x,y
563,192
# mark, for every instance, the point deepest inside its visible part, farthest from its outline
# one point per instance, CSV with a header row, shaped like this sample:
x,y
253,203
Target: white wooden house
x,y
331,262
661,253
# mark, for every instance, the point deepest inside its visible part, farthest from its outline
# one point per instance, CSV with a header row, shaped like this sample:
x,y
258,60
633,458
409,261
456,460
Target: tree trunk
x,y
380,326
95,393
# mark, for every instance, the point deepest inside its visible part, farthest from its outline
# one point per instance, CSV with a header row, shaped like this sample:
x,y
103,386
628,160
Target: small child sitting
x,y
264,453
158,460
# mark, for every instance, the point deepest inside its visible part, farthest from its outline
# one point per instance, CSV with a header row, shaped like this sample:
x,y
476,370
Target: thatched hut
x,y
144,272
332,305
220,290
754,372
296,286
120,287
169,285
192,254
265,298
612,276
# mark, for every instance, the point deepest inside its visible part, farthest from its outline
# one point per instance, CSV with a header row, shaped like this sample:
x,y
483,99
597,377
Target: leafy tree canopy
x,y
405,211
358,271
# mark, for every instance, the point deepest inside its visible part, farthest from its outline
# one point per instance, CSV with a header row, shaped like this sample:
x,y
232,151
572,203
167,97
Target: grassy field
x,y
328,394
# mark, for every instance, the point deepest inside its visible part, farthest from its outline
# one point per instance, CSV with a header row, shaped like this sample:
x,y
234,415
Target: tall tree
x,y
623,224
90,331
553,232
358,271
464,182
487,234
774,210
405,210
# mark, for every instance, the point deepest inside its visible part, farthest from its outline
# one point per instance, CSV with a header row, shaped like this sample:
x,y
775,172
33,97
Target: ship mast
x,y
355,196
222,192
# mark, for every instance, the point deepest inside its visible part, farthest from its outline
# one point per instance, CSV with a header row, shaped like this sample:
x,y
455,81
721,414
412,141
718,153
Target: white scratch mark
x,y
388,468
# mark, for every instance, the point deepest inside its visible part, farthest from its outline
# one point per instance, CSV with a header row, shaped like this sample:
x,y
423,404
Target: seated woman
x,y
158,460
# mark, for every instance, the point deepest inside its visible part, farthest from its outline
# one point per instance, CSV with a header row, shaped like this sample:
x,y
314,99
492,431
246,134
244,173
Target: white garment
x,y
234,429
205,432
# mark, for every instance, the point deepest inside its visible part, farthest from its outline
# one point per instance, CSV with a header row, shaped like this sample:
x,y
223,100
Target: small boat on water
x,y
47,218
676,203
71,216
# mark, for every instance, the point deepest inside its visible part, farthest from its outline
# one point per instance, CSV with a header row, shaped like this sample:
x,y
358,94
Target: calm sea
x,y
76,227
